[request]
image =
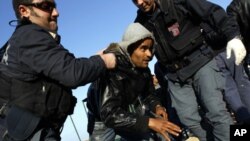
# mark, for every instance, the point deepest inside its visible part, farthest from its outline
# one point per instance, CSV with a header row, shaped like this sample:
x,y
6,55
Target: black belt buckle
x,y
177,66
173,67
180,64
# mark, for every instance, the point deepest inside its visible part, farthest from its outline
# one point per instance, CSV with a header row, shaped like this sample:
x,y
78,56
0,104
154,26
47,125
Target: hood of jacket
x,y
134,33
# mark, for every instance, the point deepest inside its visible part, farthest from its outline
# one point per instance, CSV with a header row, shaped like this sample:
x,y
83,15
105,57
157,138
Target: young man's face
x,y
144,5
42,13
143,54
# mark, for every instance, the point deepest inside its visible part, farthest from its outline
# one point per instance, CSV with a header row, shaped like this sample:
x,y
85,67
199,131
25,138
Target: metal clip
x,y
3,110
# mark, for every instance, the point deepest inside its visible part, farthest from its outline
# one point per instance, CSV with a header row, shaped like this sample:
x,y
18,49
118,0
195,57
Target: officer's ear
x,y
24,11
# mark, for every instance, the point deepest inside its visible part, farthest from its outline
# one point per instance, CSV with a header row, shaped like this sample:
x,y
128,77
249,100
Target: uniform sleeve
x,y
239,10
232,8
43,55
215,16
115,116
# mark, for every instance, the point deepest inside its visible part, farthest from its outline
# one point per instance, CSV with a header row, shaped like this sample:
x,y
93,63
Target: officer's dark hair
x,y
16,3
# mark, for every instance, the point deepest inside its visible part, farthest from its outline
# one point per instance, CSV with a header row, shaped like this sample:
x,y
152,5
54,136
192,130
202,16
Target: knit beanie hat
x,y
135,32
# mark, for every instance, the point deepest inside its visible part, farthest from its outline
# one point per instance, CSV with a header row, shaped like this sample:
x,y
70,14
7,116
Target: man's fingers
x,y
171,128
175,133
165,135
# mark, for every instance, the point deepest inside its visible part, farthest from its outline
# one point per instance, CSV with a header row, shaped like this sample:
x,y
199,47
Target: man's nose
x,y
138,2
55,12
149,53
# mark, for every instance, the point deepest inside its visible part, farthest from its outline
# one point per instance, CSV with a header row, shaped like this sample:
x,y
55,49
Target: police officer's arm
x,y
217,17
44,56
240,11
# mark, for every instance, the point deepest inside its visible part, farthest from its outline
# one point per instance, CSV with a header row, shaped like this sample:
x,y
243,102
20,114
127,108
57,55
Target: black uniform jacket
x,y
32,52
113,99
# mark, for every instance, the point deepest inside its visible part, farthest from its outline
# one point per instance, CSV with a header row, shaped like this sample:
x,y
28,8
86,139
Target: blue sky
x,y
86,26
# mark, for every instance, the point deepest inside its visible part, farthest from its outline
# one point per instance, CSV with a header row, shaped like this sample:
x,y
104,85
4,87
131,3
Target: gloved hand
x,y
236,46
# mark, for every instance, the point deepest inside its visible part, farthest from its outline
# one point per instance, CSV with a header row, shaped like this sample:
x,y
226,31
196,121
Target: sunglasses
x,y
45,6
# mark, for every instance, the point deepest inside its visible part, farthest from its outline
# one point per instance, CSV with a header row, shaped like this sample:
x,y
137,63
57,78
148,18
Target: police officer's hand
x,y
109,60
121,57
109,55
164,127
236,46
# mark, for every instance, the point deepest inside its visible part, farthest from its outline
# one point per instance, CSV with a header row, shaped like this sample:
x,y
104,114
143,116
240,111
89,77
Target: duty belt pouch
x,y
20,123
187,41
59,100
198,60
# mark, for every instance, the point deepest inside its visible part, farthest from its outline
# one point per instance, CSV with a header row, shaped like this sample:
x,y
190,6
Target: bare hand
x,y
109,60
161,111
164,127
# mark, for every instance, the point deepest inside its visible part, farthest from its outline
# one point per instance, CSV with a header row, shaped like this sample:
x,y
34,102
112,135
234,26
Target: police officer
x,y
37,75
189,63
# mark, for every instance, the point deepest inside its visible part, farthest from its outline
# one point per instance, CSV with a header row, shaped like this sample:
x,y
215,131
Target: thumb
x,y
229,50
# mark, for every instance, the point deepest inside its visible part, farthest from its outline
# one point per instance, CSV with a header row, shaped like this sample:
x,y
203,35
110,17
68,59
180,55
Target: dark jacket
x,y
188,14
112,97
38,74
240,10
33,52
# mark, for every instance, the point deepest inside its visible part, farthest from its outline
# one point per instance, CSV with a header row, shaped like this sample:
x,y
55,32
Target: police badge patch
x,y
174,29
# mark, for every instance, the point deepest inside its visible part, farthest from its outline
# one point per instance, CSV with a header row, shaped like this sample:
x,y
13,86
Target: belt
x,y
186,60
176,65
